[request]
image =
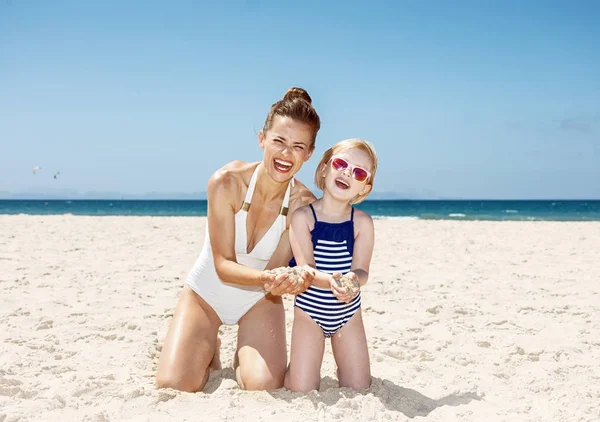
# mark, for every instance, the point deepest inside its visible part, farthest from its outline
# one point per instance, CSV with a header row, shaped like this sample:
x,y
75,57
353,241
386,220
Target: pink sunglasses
x,y
360,174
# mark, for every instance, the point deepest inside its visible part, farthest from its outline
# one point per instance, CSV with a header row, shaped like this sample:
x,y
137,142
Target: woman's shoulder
x,y
233,172
232,177
300,196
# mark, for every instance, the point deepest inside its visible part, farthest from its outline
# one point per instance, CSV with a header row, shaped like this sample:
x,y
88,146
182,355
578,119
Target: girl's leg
x,y
308,345
349,346
261,351
190,345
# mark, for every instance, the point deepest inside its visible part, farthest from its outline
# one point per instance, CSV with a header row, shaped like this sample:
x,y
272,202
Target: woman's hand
x,y
276,284
346,287
289,280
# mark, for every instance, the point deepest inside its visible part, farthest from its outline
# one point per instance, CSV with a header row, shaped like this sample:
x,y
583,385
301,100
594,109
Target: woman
x,y
249,207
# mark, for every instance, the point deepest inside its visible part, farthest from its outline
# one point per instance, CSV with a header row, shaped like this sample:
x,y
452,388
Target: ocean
x,y
490,210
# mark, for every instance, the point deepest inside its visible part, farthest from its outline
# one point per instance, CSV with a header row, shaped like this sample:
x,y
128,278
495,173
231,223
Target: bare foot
x,y
215,363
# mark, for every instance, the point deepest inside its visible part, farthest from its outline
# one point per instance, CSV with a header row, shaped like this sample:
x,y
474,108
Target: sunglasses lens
x,y
360,175
339,164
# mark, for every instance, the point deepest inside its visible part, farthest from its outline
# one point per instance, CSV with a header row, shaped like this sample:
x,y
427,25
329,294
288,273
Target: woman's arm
x,y
283,253
301,196
224,187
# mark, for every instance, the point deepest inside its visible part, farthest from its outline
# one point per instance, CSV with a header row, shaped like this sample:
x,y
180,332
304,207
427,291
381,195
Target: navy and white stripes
x,y
320,304
323,307
332,257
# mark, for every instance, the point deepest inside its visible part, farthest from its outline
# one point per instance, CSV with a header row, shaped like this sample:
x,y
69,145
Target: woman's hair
x,y
295,104
344,146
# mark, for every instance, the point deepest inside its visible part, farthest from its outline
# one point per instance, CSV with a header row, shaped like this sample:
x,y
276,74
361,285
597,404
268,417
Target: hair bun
x,y
297,93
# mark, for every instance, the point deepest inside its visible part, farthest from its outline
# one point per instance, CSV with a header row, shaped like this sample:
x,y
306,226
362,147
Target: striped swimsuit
x,y
333,244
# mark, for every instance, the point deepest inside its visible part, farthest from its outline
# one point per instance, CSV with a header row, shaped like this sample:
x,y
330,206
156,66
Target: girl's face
x,y
286,146
347,174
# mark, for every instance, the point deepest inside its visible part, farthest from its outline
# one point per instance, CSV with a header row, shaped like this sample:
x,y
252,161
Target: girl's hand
x,y
339,292
305,279
346,287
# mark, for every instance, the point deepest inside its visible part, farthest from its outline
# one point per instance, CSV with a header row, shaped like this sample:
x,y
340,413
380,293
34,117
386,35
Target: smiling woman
x,y
287,145
249,209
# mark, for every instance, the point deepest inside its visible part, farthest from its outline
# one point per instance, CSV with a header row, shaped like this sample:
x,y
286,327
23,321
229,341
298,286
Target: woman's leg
x,y
349,346
261,351
190,345
306,356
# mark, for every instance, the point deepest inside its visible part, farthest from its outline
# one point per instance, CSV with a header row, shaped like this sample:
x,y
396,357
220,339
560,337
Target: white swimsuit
x,y
232,301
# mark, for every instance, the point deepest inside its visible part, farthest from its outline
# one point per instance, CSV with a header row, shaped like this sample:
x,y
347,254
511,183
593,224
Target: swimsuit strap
x,y
250,191
352,215
313,211
286,198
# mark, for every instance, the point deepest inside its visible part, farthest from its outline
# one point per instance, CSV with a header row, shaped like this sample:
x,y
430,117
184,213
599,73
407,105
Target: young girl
x,y
336,239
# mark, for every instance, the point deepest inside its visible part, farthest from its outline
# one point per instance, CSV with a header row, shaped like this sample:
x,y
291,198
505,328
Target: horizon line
x,y
368,199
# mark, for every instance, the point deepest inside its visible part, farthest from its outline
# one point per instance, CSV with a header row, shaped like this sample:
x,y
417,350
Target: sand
x,y
469,321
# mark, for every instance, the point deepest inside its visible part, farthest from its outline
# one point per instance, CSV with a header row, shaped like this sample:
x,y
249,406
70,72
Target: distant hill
x,y
74,194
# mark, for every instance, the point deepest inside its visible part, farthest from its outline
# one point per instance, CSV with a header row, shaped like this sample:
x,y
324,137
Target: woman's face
x,y
286,146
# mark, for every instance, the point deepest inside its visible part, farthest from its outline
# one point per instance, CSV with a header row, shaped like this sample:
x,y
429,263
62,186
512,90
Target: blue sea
x,y
491,210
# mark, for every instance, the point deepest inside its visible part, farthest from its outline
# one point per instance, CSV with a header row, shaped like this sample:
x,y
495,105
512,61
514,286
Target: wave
x,y
551,210
402,217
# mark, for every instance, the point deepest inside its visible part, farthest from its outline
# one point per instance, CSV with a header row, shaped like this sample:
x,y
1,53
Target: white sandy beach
x,y
468,321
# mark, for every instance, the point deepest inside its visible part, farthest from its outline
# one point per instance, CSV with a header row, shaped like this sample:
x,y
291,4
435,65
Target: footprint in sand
x,y
45,325
396,354
369,309
165,396
8,382
12,388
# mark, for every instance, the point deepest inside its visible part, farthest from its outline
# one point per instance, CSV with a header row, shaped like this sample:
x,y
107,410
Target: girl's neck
x,y
332,209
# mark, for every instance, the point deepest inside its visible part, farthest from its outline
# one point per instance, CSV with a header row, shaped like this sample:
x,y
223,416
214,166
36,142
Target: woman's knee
x,y
180,383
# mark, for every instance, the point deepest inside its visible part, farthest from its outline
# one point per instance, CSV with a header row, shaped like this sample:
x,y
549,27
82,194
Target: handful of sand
x,y
293,272
349,283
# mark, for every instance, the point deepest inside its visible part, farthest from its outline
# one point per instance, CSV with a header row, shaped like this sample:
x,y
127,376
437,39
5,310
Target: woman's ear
x,y
261,138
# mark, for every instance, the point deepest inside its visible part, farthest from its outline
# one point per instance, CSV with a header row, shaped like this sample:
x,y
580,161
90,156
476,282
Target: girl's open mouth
x,y
342,184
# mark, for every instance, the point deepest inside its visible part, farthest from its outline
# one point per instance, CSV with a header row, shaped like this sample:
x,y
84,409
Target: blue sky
x,y
461,99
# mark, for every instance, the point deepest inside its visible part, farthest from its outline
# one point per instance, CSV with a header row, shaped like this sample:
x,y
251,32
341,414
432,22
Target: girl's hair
x,y
344,146
295,104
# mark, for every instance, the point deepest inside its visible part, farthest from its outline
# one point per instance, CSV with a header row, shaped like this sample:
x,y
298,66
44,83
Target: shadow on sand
x,y
217,378
395,398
